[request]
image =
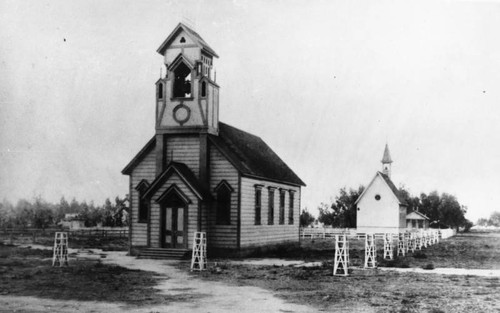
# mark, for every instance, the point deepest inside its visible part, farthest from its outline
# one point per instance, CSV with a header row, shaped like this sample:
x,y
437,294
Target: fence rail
x,y
83,232
326,232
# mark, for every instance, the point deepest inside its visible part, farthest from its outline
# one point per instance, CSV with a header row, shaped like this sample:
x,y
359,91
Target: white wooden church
x,y
199,174
382,209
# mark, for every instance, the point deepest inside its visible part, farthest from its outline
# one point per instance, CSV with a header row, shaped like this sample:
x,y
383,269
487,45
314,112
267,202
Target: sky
x,y
325,83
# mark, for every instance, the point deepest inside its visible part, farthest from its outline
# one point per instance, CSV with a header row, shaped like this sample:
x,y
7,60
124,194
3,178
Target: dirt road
x,y
184,293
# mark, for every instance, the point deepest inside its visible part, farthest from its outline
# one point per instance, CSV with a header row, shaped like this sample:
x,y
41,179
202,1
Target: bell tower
x,y
187,98
386,162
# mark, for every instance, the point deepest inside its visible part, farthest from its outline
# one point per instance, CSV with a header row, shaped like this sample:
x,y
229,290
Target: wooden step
x,y
166,254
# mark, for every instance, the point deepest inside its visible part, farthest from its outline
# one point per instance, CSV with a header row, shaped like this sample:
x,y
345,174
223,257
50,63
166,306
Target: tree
x,y
429,206
306,218
494,219
451,212
43,214
342,212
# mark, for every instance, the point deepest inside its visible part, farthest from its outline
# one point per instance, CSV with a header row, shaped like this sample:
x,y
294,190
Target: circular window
x,y
377,197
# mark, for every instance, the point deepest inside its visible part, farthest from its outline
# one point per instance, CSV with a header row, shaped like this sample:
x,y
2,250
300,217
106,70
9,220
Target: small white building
x,y
416,220
381,208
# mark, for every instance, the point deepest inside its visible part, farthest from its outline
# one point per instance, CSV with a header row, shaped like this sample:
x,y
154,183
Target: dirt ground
x,y
382,291
93,282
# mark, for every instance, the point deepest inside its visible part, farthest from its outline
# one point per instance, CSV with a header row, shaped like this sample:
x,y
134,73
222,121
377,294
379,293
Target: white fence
x,y
325,232
447,233
328,232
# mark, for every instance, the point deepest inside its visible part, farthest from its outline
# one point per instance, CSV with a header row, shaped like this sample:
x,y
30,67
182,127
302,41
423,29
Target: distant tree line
x,y
39,213
443,210
494,220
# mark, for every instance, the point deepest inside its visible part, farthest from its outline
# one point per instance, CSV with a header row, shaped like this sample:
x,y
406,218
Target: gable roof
x,y
391,186
139,156
192,34
185,174
415,215
395,190
252,157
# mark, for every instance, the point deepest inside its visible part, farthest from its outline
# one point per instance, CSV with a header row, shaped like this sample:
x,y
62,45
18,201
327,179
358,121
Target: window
x,y
290,207
270,212
182,81
282,207
203,89
160,91
143,203
223,214
143,209
258,204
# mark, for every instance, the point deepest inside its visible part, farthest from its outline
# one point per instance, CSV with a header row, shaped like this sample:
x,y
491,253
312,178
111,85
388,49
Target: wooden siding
x,y
184,149
221,236
258,235
192,214
144,170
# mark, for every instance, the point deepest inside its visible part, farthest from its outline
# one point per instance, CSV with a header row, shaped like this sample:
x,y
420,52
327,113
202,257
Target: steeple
x,y
386,162
187,98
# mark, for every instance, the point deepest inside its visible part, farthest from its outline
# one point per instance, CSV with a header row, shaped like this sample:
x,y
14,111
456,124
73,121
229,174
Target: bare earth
x,y
259,286
187,293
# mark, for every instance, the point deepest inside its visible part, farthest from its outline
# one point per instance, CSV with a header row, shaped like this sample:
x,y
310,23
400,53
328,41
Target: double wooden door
x,y
173,227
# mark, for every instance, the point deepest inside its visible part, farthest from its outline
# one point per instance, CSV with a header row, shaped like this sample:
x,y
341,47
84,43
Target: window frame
x,y
270,205
258,205
224,193
291,206
281,214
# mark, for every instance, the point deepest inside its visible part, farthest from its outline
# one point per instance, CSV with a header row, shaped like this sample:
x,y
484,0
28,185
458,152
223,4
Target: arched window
x,y
182,81
143,203
223,214
160,91
203,89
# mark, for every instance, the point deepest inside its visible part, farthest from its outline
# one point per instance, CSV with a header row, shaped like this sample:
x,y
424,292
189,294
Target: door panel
x,y
173,227
180,226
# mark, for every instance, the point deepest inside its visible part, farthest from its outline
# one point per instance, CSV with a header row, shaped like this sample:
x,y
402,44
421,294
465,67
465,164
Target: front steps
x,y
164,254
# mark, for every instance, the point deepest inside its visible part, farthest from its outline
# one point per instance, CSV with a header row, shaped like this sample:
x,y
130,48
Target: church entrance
x,y
173,223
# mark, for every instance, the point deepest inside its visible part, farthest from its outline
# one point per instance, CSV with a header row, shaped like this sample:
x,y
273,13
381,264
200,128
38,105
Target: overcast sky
x,y
325,83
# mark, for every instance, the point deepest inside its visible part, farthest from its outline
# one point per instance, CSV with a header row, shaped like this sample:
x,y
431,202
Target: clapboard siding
x,y
184,149
144,170
222,236
192,212
255,235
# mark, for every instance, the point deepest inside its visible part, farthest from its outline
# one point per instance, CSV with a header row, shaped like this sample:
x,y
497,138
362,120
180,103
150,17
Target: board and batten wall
x,y
259,235
222,236
146,169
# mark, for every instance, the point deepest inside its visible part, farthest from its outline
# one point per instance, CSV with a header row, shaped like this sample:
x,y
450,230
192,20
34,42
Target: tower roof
x,y
387,156
194,36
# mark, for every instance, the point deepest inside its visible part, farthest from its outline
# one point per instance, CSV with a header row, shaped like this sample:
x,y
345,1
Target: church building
x,y
381,208
199,174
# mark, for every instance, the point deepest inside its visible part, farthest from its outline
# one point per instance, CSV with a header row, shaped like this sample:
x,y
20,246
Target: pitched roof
x,y
139,156
249,154
395,190
387,156
252,157
414,215
186,175
192,34
391,186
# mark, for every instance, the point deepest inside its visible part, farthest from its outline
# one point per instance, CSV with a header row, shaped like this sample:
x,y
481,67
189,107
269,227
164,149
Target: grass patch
x,y
29,272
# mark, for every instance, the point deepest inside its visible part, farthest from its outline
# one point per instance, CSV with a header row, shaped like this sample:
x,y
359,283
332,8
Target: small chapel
x,y
199,174
381,207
